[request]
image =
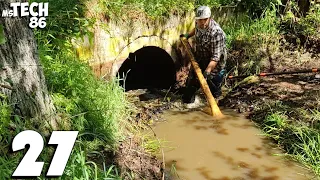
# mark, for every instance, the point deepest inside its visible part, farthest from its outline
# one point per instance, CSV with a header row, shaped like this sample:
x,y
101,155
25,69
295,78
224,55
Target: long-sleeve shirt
x,y
211,45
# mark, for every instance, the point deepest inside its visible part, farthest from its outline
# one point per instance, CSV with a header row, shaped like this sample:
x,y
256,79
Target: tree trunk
x,y
304,7
21,75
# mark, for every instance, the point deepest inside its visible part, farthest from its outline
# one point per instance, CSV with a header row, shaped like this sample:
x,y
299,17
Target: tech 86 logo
x,y
36,11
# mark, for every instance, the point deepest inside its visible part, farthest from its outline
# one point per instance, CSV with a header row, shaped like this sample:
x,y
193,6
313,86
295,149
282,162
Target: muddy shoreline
x,y
249,99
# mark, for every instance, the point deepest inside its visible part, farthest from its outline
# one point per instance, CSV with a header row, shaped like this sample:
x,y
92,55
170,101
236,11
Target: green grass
x,y
156,9
78,167
299,139
304,26
152,8
153,145
5,112
250,37
98,109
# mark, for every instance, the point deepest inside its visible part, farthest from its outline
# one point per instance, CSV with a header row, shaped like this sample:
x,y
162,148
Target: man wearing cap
x,y
210,53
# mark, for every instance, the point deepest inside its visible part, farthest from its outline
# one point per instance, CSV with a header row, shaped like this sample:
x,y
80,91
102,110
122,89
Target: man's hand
x,y
184,35
211,66
207,75
189,35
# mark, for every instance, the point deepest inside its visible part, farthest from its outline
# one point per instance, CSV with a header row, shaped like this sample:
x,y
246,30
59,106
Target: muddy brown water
x,y
200,147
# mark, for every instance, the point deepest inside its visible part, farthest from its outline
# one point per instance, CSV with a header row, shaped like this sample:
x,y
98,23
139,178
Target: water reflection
x,y
229,148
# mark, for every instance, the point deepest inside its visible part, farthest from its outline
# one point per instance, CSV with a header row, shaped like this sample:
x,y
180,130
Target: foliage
x,y
8,164
164,8
308,26
84,103
96,108
65,22
300,140
5,114
252,38
2,37
253,8
257,8
78,166
152,8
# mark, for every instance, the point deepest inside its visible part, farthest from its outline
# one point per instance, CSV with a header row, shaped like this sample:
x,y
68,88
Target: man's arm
x,y
212,65
192,32
189,35
217,45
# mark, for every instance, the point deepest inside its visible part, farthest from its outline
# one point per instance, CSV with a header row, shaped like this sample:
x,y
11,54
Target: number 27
x,y
28,165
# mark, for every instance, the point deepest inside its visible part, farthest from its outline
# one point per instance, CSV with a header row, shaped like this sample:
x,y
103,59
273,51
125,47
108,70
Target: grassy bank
x,y
286,108
97,109
260,45
296,130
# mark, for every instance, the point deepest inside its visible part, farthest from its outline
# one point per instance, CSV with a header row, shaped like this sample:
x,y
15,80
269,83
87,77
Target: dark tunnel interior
x,y
147,68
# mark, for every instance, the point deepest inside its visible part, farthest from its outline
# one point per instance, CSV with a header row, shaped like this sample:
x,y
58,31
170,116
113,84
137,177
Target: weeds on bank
x,y
152,8
307,26
154,145
97,109
299,139
253,40
151,145
5,113
78,166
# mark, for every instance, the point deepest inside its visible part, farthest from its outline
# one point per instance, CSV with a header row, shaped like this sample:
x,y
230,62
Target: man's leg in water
x,y
193,85
191,89
215,85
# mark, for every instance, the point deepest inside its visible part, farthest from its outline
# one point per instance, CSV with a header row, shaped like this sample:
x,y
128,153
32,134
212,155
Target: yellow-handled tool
x,y
204,85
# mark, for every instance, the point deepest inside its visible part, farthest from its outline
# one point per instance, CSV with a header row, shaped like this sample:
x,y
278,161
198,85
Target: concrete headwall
x,y
113,41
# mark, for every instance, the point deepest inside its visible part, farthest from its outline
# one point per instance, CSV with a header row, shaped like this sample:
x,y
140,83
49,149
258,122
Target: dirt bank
x,y
295,91
132,158
135,163
257,98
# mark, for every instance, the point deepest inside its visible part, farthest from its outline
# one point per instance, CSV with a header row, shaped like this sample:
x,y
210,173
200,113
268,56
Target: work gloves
x,y
207,75
211,76
184,35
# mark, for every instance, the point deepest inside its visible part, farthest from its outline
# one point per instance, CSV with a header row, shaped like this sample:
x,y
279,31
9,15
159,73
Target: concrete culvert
x,y
147,68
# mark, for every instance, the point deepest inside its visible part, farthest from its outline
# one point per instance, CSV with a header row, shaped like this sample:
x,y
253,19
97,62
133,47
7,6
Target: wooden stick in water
x,y
204,85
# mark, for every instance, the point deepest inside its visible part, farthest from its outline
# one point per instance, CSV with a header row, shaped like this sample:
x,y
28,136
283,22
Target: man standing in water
x,y
210,53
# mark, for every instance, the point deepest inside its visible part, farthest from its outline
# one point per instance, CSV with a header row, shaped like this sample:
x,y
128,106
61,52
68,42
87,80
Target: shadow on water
x,y
231,148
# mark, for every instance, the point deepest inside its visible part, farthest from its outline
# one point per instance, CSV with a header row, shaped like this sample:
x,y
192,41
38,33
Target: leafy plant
x,y
307,26
2,37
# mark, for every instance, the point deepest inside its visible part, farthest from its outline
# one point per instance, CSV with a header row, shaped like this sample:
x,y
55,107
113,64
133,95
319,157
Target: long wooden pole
x,y
204,85
314,70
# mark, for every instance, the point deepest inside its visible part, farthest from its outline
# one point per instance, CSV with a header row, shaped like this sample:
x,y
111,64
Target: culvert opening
x,y
147,68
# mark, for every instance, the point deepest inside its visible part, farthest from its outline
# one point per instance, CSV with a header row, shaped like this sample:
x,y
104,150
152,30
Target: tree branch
x,y
6,86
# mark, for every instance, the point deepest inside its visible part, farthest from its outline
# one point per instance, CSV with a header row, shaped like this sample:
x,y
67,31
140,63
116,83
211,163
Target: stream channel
x,y
197,146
